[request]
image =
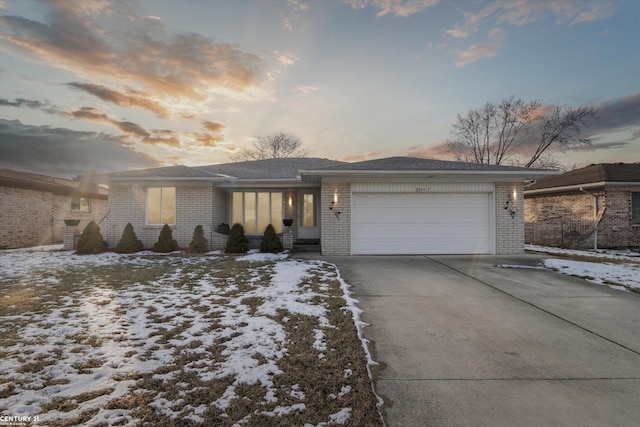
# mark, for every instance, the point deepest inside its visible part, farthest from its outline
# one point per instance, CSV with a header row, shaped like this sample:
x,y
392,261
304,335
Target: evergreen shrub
x,y
129,242
237,242
91,241
166,242
270,241
198,243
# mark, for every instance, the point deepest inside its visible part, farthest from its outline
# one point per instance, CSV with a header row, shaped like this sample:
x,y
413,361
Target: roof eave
x,y
529,174
577,187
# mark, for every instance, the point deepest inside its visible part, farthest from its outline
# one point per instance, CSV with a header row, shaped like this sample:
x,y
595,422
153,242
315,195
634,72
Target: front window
x,y
635,208
256,210
80,204
161,205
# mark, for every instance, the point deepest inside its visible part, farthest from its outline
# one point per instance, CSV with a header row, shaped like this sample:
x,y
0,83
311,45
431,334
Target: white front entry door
x,y
309,215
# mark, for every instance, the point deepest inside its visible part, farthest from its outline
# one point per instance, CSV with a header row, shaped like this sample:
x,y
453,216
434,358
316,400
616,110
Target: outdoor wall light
x,y
334,205
290,201
509,207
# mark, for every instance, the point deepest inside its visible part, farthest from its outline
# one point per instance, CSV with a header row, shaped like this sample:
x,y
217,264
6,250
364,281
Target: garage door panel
x,y
421,223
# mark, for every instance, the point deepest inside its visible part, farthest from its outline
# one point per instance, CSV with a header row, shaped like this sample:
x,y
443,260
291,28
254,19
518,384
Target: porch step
x,y
309,245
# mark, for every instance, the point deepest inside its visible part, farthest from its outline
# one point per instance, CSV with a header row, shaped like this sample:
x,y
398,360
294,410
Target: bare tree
x,y
562,127
514,130
274,146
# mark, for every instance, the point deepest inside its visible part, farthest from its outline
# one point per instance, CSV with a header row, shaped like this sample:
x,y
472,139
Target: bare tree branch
x,y
505,132
274,146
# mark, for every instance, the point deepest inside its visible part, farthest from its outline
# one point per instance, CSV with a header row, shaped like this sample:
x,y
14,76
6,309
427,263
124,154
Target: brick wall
x,y
509,229
335,229
196,204
550,220
31,217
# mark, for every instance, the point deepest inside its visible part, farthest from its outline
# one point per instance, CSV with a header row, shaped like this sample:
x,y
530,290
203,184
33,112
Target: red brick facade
x,y
566,219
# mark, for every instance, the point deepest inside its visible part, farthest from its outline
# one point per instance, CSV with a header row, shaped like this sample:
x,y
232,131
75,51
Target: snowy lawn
x,y
617,269
180,340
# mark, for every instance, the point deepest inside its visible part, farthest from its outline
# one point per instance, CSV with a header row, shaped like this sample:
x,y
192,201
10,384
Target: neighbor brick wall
x,y
509,231
547,216
32,217
335,229
615,228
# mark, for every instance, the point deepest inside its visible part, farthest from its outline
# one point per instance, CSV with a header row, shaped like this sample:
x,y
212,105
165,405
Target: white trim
x,y
422,187
576,187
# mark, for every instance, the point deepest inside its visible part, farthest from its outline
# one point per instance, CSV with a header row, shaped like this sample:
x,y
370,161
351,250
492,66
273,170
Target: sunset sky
x,y
111,85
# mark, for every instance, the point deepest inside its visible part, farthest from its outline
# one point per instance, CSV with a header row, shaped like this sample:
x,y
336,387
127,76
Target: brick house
x,y
33,207
396,205
596,206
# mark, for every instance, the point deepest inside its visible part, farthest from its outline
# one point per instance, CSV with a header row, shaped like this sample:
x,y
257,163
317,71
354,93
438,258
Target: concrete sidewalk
x,y
463,342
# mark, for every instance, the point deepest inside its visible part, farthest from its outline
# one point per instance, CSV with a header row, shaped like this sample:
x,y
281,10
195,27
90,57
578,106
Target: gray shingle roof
x,y
165,172
418,164
62,186
285,168
603,172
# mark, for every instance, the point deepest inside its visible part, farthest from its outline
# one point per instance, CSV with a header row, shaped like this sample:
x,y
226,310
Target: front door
x,y
309,215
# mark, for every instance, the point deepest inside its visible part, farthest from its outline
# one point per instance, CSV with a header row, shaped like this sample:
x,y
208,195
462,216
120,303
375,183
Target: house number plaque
x,y
423,189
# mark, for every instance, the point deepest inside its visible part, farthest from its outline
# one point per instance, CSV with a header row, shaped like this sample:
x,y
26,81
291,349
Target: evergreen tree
x,y
198,243
91,241
129,242
166,242
270,241
237,242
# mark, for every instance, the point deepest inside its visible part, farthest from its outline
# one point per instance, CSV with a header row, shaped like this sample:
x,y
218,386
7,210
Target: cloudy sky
x,y
110,85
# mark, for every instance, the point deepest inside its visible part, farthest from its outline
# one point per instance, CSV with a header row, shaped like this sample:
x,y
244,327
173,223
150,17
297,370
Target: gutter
x,y
579,187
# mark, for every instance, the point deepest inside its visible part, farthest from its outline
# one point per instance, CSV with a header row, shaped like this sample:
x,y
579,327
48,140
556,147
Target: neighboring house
x,y
33,207
574,209
396,205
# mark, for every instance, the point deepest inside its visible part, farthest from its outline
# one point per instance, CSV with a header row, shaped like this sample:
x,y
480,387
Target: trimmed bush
x,y
198,243
129,242
166,242
237,242
91,241
270,241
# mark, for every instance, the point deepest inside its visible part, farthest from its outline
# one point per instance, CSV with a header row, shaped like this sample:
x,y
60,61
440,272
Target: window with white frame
x,y
635,208
161,205
80,204
255,210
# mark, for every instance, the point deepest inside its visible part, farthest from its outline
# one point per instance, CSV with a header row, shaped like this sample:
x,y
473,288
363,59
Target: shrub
x,y
91,241
129,242
270,241
166,242
198,243
237,242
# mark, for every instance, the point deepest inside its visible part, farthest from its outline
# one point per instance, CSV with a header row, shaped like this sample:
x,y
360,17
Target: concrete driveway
x,y
465,343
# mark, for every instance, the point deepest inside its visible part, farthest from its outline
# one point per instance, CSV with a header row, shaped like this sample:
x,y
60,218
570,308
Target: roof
x,y
418,164
599,174
284,168
270,169
292,169
61,186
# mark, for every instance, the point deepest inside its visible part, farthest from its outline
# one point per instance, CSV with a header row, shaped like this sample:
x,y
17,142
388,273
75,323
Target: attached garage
x,y
421,223
412,206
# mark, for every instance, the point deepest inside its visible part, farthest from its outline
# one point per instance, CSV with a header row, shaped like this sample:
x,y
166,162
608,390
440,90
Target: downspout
x,y
595,218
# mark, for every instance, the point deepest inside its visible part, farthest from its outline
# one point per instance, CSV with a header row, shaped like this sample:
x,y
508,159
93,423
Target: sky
x,y
110,85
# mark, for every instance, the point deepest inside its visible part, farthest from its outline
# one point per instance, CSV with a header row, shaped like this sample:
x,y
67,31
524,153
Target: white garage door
x,y
425,223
